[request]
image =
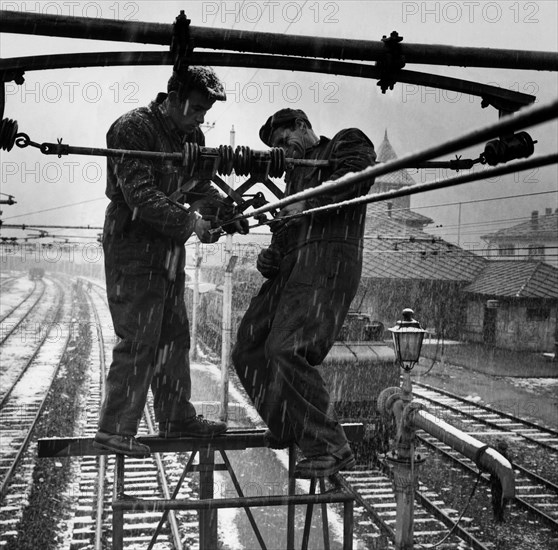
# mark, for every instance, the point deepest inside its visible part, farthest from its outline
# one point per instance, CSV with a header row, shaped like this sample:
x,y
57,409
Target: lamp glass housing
x,y
407,340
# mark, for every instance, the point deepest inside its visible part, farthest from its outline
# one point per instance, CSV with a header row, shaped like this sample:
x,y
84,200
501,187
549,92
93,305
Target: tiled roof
x,y
518,279
396,251
404,215
398,178
546,229
385,150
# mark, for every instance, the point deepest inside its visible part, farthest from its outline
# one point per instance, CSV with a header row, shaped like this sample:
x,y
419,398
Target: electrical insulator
x,y
517,146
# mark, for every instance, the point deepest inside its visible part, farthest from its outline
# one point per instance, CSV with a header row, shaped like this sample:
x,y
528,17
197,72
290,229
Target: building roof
x,y
403,215
393,250
539,228
517,279
399,178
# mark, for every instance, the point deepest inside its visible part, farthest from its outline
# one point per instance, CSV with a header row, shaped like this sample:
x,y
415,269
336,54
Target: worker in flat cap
x,y
313,268
143,242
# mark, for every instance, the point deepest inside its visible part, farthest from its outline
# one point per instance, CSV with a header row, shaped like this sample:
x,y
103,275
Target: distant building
x,y
455,293
513,305
536,239
398,208
405,267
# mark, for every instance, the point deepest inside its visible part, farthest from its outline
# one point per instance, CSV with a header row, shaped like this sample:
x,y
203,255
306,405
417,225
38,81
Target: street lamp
x,y
410,416
407,339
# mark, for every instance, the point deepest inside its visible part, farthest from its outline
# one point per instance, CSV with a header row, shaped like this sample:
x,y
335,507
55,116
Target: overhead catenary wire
x,y
430,186
54,208
471,201
526,118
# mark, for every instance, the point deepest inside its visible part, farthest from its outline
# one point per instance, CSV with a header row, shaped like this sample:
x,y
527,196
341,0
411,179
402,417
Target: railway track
x,y
13,318
23,398
32,325
484,420
433,517
91,526
534,492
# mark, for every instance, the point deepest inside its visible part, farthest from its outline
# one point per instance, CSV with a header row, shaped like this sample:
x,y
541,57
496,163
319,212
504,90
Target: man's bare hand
x,y
238,226
202,228
268,262
278,222
294,208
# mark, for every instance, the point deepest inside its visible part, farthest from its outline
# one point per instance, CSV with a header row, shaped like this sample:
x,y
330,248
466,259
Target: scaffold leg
x,y
291,507
325,521
348,525
186,470
308,519
207,518
241,495
118,494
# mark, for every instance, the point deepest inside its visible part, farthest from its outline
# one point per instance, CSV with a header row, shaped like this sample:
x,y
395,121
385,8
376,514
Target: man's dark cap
x,y
197,77
281,118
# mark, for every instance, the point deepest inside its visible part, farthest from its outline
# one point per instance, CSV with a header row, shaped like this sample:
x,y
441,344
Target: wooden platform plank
x,y
232,440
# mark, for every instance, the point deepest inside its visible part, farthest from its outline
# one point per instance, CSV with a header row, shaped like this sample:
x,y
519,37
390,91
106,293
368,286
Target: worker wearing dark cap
x,y
143,243
313,268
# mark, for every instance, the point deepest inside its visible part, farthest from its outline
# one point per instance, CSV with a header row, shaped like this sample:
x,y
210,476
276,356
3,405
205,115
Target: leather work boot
x,y
122,444
324,465
274,442
197,426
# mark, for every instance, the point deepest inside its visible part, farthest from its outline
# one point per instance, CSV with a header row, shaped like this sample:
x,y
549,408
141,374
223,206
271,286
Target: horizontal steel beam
x,y
159,505
232,440
274,43
498,97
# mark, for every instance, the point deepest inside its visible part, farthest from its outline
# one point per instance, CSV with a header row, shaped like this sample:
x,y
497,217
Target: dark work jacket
x,y
348,151
139,189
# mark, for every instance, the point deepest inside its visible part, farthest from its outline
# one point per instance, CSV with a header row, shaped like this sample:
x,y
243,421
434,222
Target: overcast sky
x,y
79,105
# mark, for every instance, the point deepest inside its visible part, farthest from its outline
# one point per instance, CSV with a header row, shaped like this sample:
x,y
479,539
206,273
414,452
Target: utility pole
x,y
230,262
459,226
196,301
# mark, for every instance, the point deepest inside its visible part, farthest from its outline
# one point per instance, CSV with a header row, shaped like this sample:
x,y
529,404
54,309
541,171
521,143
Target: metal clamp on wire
x,y
181,46
392,62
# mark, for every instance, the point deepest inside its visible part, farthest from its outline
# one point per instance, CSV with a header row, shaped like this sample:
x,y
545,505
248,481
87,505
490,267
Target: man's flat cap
x,y
197,77
281,118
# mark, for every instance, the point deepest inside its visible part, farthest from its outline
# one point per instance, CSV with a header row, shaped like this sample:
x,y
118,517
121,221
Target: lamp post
x,y
410,416
407,340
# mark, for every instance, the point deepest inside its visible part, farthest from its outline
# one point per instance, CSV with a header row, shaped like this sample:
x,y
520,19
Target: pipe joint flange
x,y
387,399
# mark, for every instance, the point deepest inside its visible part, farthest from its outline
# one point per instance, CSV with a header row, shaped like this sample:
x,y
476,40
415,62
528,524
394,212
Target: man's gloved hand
x,y
268,262
202,228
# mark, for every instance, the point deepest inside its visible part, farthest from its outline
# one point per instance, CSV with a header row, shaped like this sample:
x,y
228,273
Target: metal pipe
x,y
493,94
274,43
214,504
525,118
489,460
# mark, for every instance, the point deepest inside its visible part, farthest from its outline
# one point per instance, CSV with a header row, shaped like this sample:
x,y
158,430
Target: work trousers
x,y
286,333
150,320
